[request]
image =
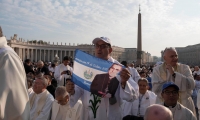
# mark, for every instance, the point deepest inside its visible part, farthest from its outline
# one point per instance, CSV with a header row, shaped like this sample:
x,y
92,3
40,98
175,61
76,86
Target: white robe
x,y
14,100
65,112
58,70
45,112
131,108
182,113
134,74
184,80
105,111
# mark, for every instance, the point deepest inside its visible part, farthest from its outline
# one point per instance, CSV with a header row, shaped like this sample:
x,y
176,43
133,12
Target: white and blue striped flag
x,y
86,67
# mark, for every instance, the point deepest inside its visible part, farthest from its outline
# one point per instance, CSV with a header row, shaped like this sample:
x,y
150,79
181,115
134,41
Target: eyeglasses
x,y
102,46
171,92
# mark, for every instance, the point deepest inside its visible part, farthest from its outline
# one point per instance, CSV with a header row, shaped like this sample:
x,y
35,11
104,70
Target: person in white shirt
x,y
138,107
40,100
102,109
63,71
61,109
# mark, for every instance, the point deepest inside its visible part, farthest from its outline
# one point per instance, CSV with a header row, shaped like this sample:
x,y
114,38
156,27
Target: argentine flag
x,y
86,67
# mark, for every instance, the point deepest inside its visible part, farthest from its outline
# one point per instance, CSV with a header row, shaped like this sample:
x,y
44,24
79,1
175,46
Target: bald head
x,y
40,64
158,112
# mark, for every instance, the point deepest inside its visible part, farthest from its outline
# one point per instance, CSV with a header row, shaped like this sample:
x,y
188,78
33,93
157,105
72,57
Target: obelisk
x,y
139,40
1,32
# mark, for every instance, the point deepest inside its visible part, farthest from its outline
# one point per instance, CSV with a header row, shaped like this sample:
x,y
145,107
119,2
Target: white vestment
x,y
104,111
183,79
181,113
132,108
60,78
40,105
14,100
134,74
65,112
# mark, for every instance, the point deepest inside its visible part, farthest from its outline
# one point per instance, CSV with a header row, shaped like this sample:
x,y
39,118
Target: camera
x,y
68,72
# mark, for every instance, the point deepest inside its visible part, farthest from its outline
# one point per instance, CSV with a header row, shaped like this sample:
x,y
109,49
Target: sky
x,y
165,23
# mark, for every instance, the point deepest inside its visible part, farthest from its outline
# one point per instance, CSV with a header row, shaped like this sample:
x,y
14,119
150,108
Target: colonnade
x,y
46,55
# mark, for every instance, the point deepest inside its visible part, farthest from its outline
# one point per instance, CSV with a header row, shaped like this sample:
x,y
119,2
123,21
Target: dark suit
x,y
132,117
51,89
101,82
44,70
28,69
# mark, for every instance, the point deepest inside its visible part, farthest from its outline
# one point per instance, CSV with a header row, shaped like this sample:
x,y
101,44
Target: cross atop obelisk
x,y
139,40
1,32
139,9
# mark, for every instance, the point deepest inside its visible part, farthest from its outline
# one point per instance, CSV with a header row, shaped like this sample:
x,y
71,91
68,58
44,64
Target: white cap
x,y
105,39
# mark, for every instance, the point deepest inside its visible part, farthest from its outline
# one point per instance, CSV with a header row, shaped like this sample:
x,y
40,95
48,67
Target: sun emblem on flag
x,y
88,74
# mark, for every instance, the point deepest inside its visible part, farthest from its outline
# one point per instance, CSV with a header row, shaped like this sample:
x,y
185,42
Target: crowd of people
x,y
45,91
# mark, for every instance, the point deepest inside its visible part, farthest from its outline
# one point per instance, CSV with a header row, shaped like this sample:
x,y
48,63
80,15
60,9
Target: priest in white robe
x,y
40,100
138,107
175,72
170,95
63,71
97,108
14,100
61,109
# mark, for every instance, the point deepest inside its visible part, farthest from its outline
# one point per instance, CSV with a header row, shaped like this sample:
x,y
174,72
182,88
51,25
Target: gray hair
x,y
159,112
167,49
40,62
143,79
61,91
44,80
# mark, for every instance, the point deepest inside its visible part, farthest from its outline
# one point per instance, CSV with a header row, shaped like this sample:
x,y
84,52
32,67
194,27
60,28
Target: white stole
x,y
40,104
71,112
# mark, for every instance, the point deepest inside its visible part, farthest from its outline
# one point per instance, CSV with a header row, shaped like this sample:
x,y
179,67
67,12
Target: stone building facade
x,y
40,50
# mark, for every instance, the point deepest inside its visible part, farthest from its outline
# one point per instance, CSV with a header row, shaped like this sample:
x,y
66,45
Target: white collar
x,y
40,94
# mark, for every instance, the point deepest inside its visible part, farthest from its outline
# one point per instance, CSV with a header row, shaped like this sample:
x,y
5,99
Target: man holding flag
x,y
97,108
